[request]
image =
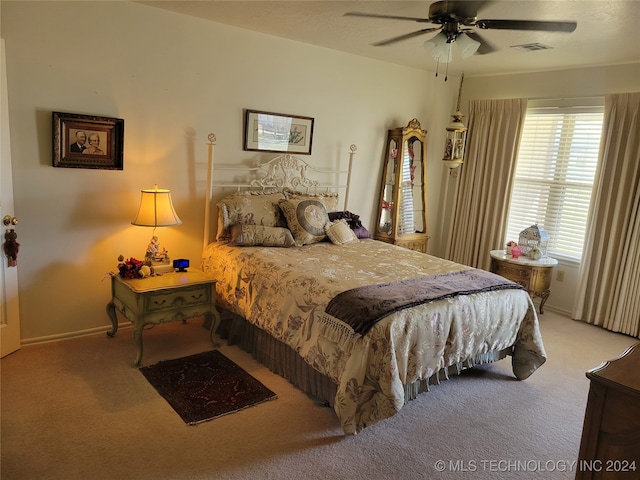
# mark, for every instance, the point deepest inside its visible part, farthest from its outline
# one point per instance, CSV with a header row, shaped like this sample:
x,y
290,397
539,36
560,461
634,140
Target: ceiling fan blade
x,y
485,46
406,36
392,17
527,25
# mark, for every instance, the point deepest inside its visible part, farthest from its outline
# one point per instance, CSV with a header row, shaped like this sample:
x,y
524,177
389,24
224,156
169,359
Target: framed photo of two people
x,y
87,141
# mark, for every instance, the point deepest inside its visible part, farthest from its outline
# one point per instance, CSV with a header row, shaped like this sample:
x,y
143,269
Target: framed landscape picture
x,y
87,141
277,132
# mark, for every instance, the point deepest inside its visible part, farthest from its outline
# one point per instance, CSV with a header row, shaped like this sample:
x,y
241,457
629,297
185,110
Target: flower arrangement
x,y
133,268
534,253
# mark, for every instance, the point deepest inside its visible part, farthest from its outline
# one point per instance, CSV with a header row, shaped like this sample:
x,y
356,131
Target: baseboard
x,y
69,335
560,311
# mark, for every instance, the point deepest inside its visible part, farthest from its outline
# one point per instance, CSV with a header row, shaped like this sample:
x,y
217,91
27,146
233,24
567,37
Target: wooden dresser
x,y
534,275
610,446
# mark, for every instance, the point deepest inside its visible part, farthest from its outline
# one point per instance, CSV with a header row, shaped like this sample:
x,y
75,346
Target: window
x,y
555,170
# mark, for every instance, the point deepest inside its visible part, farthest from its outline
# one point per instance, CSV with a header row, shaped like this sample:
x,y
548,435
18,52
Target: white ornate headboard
x,y
282,171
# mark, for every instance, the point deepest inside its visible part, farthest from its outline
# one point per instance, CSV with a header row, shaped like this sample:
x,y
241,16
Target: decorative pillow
x,y
257,235
339,232
222,233
251,207
353,221
329,199
361,232
306,219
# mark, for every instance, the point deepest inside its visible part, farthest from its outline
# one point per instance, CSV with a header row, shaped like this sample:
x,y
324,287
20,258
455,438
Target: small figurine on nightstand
x,y
152,249
154,255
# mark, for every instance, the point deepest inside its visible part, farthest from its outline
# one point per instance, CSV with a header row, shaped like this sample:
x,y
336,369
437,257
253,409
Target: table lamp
x,y
156,210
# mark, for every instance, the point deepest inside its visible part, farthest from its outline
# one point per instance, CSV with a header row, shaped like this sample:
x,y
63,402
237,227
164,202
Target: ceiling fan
x,y
457,20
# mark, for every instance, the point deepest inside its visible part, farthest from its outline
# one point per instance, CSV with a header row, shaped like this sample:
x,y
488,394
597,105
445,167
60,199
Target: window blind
x,y
554,176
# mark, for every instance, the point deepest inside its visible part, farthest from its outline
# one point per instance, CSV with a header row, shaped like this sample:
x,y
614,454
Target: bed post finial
x,y
209,193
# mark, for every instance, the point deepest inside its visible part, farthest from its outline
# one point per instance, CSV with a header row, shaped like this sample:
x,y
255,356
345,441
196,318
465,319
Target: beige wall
x,y
581,82
586,82
173,79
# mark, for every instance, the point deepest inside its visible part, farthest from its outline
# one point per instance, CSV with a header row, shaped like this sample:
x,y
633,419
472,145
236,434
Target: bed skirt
x,y
278,357
282,360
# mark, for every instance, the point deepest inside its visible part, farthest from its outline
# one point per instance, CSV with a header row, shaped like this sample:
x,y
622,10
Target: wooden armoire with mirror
x,y
402,205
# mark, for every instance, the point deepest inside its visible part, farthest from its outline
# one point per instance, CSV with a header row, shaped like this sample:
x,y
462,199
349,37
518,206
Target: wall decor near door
x,y
87,141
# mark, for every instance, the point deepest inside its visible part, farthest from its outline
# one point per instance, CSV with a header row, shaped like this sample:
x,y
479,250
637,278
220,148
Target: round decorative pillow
x,y
306,219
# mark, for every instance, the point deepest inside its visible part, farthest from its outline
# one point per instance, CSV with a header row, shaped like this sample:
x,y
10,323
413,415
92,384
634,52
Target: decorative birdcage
x,y
534,237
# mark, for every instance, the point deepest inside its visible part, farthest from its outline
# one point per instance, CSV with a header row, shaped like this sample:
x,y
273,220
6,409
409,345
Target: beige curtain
x,y
485,181
609,283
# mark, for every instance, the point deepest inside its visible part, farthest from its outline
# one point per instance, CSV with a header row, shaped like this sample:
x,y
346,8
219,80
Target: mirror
x,y
388,192
402,210
411,198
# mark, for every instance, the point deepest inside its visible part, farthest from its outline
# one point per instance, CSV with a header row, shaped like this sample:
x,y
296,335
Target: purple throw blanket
x,y
363,307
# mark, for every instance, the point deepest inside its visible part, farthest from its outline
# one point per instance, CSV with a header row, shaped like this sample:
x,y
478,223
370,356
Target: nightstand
x,y
171,297
534,275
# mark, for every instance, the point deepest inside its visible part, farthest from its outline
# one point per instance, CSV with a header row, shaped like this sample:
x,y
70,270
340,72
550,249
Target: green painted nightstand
x,y
171,297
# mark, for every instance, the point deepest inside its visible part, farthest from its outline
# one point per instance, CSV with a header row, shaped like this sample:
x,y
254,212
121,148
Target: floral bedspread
x,y
285,291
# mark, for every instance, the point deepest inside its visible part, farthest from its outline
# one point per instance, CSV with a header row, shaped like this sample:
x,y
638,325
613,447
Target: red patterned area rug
x,y
206,385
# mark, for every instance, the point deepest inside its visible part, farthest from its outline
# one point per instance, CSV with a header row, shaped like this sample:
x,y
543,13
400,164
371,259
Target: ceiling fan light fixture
x,y
456,17
467,45
439,47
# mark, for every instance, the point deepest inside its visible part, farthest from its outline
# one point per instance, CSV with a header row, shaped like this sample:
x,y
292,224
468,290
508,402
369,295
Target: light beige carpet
x,y
78,409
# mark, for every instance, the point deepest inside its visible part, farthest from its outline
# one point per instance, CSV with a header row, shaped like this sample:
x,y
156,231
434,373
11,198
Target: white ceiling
x,y
608,31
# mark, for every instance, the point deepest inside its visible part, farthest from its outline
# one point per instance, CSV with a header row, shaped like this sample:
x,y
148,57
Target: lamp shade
x,y
156,209
439,47
467,45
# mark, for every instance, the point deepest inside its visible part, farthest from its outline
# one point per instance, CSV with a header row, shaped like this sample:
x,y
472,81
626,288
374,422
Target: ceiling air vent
x,y
531,47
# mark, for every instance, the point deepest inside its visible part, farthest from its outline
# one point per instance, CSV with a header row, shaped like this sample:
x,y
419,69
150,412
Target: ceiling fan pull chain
x,y
446,73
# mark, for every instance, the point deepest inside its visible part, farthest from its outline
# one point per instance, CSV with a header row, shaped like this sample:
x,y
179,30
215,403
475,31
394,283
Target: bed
x,y
361,324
